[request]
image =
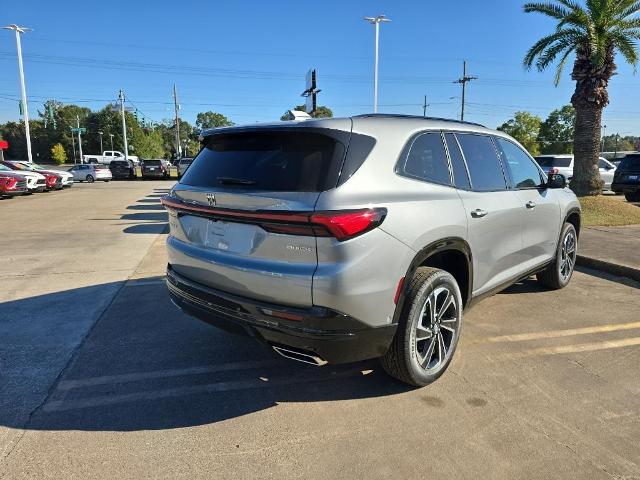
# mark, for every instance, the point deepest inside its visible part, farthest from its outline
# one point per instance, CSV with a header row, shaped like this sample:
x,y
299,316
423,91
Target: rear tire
x,y
428,330
632,197
559,273
90,179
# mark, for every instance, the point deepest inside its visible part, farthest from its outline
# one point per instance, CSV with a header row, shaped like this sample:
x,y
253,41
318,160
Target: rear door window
x,y
287,161
482,161
426,159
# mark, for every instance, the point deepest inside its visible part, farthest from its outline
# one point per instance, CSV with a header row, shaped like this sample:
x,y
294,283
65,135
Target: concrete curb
x,y
609,267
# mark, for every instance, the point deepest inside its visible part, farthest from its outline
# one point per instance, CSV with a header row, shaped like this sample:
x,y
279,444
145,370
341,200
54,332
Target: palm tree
x,y
595,32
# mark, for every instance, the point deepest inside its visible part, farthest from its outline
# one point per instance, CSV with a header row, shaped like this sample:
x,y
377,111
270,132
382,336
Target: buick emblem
x,y
211,199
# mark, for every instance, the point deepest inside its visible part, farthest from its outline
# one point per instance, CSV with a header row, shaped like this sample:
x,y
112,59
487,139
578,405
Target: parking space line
x,y
582,347
175,372
559,333
254,383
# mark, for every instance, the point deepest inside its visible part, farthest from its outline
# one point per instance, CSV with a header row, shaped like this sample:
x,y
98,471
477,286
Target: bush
x,y
58,154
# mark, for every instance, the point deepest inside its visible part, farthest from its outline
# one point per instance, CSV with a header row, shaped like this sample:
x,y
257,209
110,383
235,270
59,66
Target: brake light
x,y
345,225
554,171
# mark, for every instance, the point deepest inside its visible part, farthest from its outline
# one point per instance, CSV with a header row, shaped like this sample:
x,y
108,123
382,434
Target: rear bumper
x,y
330,335
625,187
158,174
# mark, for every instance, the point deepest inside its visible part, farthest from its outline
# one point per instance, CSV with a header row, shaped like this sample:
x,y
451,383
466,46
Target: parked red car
x,y
11,185
52,181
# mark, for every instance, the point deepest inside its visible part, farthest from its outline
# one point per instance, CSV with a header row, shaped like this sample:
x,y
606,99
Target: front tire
x,y
632,197
428,330
558,274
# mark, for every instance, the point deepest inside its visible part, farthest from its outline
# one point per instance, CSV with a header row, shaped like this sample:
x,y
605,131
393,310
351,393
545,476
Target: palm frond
x,y
561,65
548,56
538,48
627,48
549,9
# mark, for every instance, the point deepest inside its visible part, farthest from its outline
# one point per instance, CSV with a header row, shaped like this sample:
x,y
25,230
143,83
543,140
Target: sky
x,y
248,59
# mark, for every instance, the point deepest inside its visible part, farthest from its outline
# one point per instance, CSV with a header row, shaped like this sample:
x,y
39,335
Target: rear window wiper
x,y
235,181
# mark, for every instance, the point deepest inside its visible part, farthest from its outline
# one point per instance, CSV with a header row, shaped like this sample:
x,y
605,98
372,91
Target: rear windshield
x,y
630,163
285,161
152,163
545,162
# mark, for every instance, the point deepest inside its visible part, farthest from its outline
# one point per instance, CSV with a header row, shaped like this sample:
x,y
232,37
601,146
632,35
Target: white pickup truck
x,y
107,156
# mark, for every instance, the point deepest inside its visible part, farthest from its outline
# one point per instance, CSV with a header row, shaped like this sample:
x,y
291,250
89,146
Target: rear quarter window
x,y
425,159
273,160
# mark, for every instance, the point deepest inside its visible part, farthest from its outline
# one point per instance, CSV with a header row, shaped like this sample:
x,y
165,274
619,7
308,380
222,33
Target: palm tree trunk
x,y
589,99
586,150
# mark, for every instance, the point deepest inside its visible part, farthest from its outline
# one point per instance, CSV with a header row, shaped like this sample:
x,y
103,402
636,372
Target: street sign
x,y
116,108
76,130
311,92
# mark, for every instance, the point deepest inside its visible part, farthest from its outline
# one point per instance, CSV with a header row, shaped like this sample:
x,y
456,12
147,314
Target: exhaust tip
x,y
300,356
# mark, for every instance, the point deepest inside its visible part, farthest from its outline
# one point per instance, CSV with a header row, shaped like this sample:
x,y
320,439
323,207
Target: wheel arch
x,y
573,217
451,254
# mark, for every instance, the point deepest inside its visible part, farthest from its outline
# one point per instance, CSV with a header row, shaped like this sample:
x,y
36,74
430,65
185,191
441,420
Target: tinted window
x,y
548,162
427,159
630,163
268,160
482,161
152,163
524,174
460,177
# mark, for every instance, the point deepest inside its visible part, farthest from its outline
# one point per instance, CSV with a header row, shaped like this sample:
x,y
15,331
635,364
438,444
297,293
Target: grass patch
x,y
608,211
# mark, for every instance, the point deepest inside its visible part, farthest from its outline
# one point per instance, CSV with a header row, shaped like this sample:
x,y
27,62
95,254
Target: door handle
x,y
530,204
478,213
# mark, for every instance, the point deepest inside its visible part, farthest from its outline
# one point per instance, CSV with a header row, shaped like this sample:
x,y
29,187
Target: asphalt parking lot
x,y
101,376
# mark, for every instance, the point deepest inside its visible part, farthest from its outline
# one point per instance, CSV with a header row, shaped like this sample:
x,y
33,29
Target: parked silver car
x,y
336,240
90,173
563,164
183,164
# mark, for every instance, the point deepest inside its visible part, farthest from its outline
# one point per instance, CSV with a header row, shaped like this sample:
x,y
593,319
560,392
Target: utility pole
x,y
100,133
177,108
604,134
124,126
111,137
376,21
424,107
23,91
464,80
79,137
73,142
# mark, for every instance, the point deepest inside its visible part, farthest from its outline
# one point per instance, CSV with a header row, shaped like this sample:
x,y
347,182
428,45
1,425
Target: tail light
x,y
554,170
8,183
340,224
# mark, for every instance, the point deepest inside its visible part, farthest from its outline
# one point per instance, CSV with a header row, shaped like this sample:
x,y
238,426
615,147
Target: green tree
x,y
616,143
524,127
595,32
212,120
321,112
58,154
557,131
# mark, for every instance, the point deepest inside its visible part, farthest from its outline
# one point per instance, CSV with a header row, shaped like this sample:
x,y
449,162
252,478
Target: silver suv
x,y
337,240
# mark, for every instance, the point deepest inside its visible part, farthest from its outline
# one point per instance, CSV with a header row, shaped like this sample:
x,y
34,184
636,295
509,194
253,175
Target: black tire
x,y
632,197
90,179
402,360
553,276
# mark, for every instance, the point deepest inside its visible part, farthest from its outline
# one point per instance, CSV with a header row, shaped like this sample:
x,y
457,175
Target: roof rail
x,y
415,117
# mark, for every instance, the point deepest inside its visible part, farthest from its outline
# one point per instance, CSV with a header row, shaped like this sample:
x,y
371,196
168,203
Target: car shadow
x,y
145,365
147,206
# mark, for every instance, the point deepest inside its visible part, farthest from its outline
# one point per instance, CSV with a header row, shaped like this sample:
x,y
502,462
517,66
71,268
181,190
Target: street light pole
x,y
100,133
111,136
23,91
79,138
124,126
376,21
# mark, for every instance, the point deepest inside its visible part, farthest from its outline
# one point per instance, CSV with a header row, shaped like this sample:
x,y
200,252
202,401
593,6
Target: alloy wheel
x,y
435,332
567,255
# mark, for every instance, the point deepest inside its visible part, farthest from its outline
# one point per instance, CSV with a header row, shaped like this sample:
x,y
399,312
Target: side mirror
x,y
556,180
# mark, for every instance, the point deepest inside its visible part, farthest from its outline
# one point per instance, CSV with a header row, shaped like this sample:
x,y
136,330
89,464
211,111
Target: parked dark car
x,y
122,169
627,178
155,169
12,185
